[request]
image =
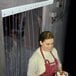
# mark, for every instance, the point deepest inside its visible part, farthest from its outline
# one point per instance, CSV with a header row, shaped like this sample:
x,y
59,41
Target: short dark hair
x,y
46,35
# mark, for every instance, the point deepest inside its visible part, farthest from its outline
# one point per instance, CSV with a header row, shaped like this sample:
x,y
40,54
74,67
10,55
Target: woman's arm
x,y
32,67
57,57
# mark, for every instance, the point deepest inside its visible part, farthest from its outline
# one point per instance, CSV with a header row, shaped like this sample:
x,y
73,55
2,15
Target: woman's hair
x,y
46,35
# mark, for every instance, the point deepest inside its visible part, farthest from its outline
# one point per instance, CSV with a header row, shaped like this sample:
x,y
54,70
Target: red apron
x,y
50,70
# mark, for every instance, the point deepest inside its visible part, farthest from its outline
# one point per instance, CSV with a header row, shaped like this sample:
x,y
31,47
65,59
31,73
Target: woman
x,y
45,60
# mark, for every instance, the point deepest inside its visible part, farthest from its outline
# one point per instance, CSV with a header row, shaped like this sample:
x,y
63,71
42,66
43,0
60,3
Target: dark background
x,y
69,63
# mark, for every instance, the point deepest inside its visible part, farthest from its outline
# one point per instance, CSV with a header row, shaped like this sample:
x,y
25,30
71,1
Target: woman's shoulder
x,y
35,55
54,50
36,52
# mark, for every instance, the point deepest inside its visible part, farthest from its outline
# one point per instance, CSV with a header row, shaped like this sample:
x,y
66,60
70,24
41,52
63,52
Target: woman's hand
x,y
62,73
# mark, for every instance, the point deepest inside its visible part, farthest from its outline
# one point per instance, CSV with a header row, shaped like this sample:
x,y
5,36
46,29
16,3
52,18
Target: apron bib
x,y
50,68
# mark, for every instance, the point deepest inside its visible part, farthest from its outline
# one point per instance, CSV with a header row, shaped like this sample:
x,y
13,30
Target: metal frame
x,y
19,9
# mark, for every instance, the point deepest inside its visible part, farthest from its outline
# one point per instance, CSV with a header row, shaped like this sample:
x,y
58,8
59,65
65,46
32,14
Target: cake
x,y
61,74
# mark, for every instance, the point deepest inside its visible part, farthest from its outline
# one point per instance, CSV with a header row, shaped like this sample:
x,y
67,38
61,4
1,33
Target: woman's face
x,y
47,44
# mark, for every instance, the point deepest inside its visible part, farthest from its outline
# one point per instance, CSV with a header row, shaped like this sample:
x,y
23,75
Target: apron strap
x,y
52,55
43,54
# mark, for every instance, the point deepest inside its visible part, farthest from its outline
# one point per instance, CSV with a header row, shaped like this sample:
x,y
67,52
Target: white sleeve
x,y
32,67
57,57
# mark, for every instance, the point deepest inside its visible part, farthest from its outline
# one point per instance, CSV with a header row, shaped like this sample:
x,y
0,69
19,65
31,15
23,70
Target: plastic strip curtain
x,y
21,32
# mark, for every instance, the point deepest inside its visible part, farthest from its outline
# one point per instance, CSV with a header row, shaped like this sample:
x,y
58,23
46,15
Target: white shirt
x,y
36,64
